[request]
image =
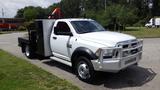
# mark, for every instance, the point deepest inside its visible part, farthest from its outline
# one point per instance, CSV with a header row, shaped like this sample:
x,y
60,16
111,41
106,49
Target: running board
x,y
61,61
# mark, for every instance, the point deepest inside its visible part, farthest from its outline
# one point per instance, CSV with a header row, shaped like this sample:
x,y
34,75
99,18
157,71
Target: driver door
x,y
60,40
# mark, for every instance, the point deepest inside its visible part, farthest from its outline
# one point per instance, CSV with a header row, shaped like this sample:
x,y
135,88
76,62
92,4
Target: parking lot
x,y
144,77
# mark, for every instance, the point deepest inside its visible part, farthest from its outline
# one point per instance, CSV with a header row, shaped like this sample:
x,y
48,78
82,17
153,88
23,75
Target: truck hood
x,y
106,38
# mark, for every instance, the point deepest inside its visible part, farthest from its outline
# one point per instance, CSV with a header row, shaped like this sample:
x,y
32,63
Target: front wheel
x,y
84,69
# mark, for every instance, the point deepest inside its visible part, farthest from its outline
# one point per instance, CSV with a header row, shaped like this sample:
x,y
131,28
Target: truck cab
x,y
86,46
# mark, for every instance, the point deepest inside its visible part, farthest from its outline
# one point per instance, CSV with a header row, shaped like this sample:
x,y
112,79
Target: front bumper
x,y
116,64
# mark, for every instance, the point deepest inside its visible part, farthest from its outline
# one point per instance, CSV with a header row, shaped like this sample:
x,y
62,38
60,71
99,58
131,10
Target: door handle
x,y
54,37
69,45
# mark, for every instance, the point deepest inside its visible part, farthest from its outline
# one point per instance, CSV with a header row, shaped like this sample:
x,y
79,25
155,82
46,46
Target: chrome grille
x,y
130,47
125,46
134,44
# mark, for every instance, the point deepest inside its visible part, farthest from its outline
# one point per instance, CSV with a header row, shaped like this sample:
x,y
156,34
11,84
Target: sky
x,y
10,7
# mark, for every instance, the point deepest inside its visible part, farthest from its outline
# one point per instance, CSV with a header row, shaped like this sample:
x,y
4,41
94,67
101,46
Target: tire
x,y
136,64
27,52
84,69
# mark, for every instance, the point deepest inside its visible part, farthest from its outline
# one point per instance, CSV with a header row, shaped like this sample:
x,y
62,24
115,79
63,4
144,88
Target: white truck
x,y
153,22
82,44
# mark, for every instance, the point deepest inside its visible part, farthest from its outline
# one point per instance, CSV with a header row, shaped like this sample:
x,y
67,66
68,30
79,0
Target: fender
x,y
84,51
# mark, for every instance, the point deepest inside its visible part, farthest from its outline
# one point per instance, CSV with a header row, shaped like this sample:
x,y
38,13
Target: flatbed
x,y
22,40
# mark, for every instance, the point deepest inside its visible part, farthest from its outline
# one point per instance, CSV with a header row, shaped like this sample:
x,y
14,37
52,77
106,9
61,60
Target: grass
x,y
10,31
18,74
142,32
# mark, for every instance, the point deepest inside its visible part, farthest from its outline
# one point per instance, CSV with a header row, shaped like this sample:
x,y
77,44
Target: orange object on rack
x,y
56,14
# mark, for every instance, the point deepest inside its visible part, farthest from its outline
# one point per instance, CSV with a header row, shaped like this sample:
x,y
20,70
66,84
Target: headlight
x,y
107,53
111,53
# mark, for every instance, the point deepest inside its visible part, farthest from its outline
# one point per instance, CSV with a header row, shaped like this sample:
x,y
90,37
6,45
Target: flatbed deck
x,y
23,40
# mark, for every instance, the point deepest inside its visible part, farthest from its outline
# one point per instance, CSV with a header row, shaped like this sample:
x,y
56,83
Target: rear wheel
x,y
84,69
136,64
27,52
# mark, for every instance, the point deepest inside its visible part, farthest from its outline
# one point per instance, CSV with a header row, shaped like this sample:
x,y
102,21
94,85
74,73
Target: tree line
x,y
120,12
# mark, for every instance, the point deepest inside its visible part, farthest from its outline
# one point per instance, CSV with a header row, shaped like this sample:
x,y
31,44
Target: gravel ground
x,y
144,77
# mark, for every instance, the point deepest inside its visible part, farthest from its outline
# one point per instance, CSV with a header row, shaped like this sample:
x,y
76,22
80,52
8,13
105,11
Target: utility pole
x,y
2,13
150,6
82,7
3,21
105,5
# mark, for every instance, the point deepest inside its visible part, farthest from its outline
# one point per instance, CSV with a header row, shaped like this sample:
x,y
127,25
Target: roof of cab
x,y
75,19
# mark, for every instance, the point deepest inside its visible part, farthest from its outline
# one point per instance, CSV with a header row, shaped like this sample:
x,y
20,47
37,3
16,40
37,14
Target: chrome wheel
x,y
83,70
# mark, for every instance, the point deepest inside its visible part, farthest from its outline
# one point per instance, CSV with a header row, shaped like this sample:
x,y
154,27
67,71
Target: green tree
x,y
115,14
30,13
70,8
20,13
40,12
126,12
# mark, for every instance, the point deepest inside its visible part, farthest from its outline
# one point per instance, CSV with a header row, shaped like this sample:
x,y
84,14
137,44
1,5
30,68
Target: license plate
x,y
131,60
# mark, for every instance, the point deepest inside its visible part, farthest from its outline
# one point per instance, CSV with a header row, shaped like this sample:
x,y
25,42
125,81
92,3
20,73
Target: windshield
x,y
87,26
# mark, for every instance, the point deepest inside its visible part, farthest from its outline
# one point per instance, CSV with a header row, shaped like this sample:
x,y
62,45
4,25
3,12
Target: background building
x,y
10,23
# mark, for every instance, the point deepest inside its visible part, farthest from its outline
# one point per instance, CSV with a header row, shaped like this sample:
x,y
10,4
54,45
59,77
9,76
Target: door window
x,y
62,27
